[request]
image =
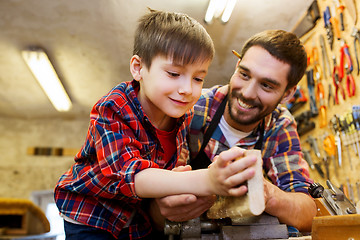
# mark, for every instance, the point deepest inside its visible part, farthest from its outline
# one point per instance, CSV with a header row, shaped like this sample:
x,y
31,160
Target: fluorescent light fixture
x,y
45,74
228,10
219,8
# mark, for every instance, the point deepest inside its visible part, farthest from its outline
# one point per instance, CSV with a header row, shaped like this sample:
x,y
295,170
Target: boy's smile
x,y
168,90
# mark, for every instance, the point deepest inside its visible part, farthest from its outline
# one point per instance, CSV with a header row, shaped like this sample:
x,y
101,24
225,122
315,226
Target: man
x,y
270,66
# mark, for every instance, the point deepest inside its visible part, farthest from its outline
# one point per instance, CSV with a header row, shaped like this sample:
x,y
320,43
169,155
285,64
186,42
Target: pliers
x,y
337,82
350,83
344,52
355,33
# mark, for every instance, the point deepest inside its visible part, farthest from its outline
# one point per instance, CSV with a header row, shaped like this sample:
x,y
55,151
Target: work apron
x,y
202,160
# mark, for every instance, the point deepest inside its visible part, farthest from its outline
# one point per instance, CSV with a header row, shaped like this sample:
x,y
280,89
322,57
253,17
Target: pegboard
x,y
344,175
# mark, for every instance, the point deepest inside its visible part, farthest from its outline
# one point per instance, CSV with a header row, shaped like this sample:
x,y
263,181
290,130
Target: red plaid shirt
x,y
98,190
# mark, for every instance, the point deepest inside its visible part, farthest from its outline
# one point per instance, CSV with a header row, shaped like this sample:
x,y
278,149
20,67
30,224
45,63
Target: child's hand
x,y
226,174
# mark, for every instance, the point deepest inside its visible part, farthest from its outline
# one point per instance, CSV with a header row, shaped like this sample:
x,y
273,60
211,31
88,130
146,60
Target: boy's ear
x,y
135,67
288,94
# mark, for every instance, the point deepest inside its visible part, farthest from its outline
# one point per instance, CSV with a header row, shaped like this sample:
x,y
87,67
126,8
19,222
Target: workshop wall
x,y
343,175
22,172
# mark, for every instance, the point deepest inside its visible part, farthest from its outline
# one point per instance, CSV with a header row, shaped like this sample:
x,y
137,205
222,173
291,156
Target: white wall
x,y
20,174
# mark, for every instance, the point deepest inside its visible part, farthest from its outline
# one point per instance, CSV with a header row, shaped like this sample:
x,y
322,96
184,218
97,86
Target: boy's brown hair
x,y
284,46
174,35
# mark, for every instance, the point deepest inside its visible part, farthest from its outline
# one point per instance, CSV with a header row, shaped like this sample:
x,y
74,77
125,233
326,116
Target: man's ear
x,y
135,67
288,94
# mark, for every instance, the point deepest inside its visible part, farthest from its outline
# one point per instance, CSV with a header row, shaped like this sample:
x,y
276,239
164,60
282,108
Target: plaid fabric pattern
x,y
98,190
283,161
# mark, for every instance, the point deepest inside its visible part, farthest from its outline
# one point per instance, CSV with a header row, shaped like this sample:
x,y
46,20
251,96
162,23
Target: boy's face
x,y
168,90
256,88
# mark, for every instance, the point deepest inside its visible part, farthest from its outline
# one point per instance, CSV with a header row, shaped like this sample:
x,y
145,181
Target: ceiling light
x,y
219,8
45,74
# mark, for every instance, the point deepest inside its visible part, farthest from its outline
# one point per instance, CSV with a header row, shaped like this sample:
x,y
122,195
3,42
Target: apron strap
x,y
202,160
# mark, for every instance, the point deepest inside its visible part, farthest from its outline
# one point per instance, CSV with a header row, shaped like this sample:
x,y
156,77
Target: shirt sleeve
x,y
283,160
119,147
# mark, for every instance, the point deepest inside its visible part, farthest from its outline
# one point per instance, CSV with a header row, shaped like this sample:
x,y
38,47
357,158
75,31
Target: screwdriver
x,y
353,132
320,99
341,123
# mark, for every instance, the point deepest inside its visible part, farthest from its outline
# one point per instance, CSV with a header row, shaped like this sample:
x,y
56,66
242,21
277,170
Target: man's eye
x,y
244,75
267,86
173,74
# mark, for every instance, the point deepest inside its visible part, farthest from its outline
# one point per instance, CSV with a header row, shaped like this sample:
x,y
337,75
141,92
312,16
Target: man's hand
x,y
184,207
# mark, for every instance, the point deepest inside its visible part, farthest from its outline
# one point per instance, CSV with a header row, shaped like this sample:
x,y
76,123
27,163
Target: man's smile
x,y
244,105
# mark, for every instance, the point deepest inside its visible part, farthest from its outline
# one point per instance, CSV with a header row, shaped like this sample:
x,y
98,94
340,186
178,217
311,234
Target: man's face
x,y
256,88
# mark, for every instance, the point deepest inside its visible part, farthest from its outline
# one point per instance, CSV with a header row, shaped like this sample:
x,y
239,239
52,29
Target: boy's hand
x,y
226,174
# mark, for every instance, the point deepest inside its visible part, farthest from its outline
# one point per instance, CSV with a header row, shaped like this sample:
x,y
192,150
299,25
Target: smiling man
x,y
250,116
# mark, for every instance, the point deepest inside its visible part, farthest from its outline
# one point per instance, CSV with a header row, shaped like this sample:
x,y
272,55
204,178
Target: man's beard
x,y
235,116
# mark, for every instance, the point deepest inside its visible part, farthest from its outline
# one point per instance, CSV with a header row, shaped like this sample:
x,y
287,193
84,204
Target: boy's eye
x,y
173,74
199,79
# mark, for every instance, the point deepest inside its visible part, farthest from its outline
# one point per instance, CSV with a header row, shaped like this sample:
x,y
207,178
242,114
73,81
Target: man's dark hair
x,y
285,47
174,35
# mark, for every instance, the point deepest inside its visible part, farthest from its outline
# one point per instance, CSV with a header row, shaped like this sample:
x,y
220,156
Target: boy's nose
x,y
185,86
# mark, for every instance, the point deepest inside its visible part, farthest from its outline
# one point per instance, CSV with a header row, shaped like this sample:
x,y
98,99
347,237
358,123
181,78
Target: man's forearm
x,y
291,208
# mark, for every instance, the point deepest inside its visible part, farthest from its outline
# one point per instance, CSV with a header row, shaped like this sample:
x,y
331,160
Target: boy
x,y
137,134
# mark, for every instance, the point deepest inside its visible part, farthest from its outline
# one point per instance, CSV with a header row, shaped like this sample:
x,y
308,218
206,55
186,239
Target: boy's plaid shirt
x,y
98,190
283,161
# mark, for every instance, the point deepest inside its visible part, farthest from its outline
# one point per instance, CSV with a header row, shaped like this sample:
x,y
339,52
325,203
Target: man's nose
x,y
249,90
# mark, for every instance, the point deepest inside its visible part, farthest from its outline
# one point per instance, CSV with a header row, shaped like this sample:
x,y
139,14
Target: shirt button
x,y
123,218
159,157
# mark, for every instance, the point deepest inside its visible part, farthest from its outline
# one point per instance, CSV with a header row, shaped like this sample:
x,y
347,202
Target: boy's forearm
x,y
157,183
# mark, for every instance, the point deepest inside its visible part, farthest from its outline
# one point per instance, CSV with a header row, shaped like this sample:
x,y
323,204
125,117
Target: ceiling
x,y
90,45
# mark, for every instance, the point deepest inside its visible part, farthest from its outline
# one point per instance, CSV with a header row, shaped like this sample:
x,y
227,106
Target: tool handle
x,y
335,24
340,10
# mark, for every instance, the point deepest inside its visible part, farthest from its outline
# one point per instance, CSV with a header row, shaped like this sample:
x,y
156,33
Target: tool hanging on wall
x,y
328,27
356,35
325,57
320,94
339,10
344,139
351,7
312,165
335,22
297,101
344,54
350,82
336,129
337,82
353,132
330,149
304,124
311,85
